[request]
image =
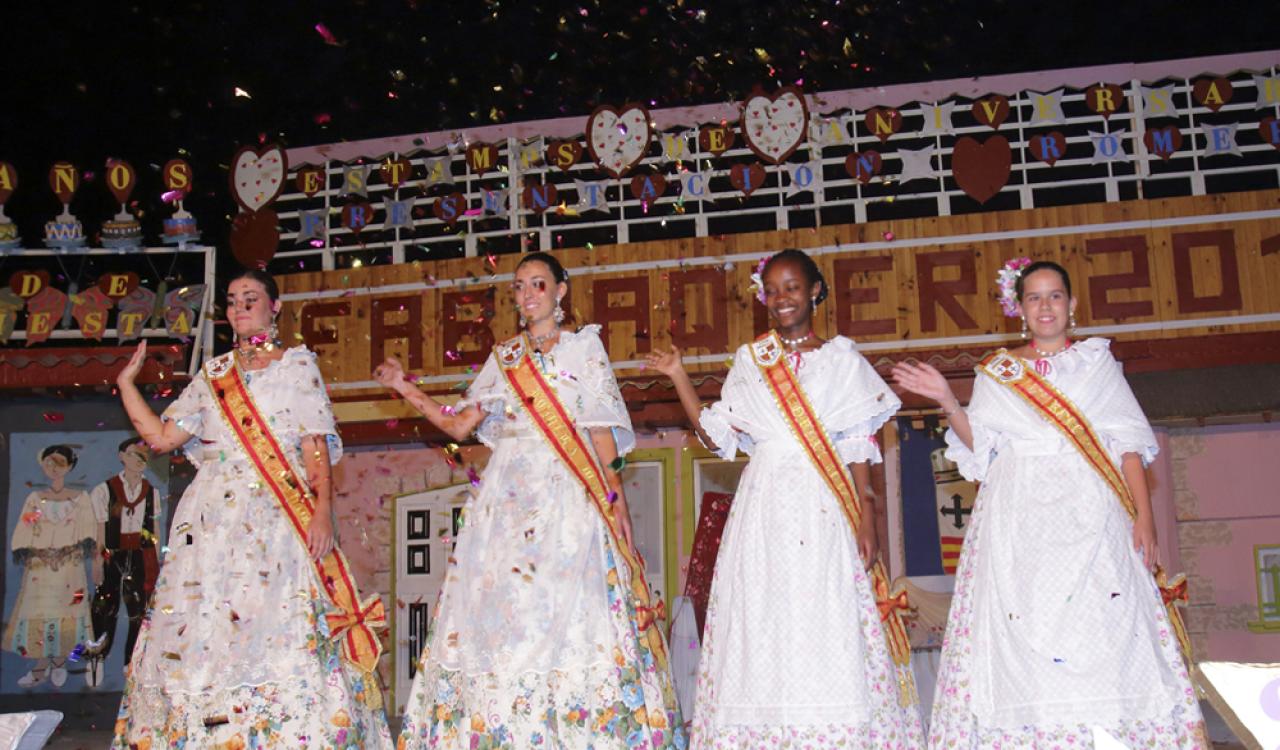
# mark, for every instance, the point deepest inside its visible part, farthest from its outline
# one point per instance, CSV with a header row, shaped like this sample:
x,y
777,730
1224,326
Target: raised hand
x,y
134,365
389,374
924,380
666,362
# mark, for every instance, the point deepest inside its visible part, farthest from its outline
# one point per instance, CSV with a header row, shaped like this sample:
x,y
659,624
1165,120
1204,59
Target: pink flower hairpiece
x,y
1007,280
757,279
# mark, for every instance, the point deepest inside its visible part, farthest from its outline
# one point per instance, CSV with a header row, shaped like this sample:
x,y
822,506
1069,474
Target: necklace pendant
x,y
1043,367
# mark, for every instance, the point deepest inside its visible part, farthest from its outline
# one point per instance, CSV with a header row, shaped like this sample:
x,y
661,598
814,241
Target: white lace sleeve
x,y
592,389
866,404
309,401
725,421
188,409
489,393
1120,420
973,463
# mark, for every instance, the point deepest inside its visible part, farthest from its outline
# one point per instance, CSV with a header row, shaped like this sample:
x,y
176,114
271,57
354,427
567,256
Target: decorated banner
x,y
117,300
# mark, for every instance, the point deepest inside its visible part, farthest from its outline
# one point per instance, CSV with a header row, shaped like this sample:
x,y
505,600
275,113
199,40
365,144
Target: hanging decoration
x,y
863,165
774,125
65,232
991,110
309,180
1163,142
1104,99
9,238
1212,93
618,139
937,118
563,154
982,169
747,177
180,228
715,139
257,177
883,122
123,232
1048,147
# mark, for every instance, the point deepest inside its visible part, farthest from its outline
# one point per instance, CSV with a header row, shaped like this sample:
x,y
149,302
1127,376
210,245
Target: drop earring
x,y
559,314
1024,328
814,302
1071,321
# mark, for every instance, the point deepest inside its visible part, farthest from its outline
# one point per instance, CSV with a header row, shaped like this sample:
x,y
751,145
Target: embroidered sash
x,y
353,620
799,414
1064,416
555,424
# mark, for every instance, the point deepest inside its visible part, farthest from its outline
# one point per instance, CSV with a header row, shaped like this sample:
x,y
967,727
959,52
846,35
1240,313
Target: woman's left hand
x,y
623,516
868,545
1144,540
320,535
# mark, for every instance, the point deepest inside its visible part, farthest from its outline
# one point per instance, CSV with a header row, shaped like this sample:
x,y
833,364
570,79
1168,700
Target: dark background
x,y
148,81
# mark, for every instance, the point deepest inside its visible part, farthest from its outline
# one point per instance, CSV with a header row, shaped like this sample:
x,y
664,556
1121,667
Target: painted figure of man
x,y
127,507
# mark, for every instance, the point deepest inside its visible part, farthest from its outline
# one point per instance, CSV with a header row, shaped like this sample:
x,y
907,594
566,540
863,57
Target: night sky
x,y
150,81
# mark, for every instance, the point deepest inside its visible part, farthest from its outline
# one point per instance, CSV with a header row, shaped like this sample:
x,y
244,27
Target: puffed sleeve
x,y
489,393
973,463
1119,420
727,422
188,410
595,399
309,402
864,404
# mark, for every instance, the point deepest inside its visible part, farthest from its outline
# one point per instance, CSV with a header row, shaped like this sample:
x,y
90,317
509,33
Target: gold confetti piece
x,y
172,656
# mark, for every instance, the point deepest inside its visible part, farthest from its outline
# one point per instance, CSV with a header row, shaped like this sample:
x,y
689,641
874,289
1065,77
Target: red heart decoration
x,y
449,208
396,172
716,139
564,154
747,177
991,111
648,187
981,169
357,216
1163,142
883,122
1104,99
1269,129
481,157
8,181
310,180
118,285
1212,92
27,284
538,197
121,179
863,165
254,237
1049,147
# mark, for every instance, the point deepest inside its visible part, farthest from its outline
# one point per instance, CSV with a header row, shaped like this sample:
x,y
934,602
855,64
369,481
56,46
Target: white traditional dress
x,y
531,645
1056,627
51,541
235,650
793,651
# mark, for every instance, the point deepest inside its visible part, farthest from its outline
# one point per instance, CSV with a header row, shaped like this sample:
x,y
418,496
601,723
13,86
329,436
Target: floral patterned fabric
x,y
235,651
533,644
1056,627
794,655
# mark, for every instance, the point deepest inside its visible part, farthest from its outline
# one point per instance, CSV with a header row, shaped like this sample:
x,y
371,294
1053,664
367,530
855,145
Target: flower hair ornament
x,y
757,279
1007,280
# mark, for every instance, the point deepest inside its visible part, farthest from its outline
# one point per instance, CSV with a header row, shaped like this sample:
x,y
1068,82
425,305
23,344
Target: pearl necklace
x,y
794,343
1041,354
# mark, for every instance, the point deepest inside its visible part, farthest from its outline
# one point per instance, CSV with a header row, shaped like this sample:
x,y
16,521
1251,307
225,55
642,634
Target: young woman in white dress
x,y
1057,629
794,652
536,641
235,650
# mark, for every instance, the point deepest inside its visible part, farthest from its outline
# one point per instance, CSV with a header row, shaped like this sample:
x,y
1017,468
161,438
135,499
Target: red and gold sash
x,y
1064,416
799,414
353,619
555,424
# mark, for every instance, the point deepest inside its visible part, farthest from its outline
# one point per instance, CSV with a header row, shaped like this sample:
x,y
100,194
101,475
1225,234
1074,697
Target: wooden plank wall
x,y
895,285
